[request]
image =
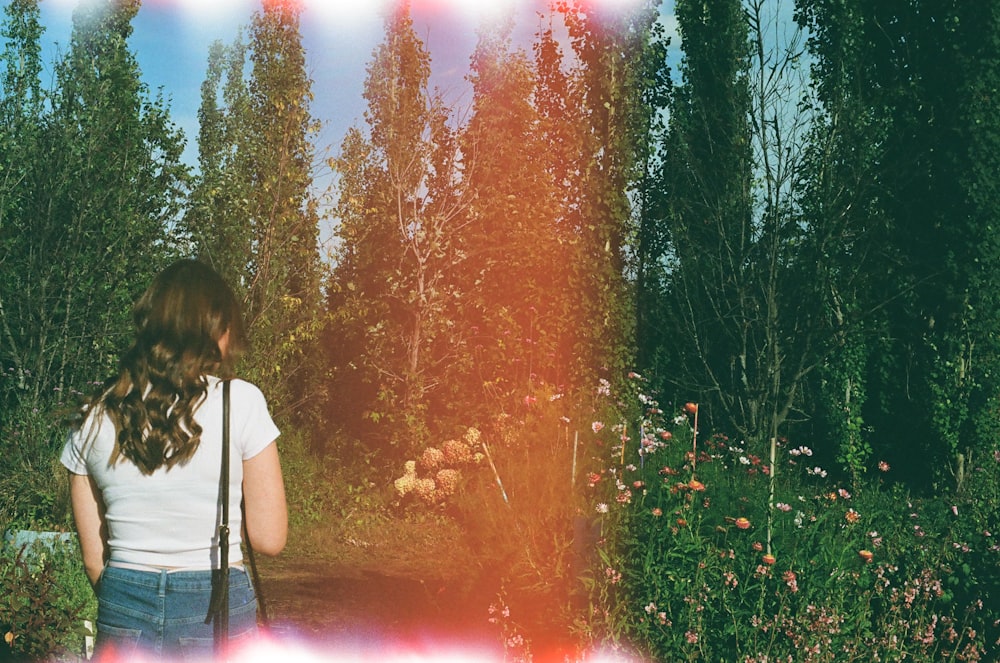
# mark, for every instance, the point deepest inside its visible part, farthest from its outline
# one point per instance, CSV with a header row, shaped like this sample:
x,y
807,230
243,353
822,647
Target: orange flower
x,y
696,485
866,555
852,516
742,523
769,559
681,522
691,408
657,511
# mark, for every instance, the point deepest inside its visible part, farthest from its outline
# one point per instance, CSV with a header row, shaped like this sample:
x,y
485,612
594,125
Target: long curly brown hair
x,y
161,378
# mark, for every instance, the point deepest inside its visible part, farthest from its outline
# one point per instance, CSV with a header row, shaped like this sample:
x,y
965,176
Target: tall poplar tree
x,y
218,218
21,120
920,77
708,181
612,46
745,306
398,210
254,214
516,302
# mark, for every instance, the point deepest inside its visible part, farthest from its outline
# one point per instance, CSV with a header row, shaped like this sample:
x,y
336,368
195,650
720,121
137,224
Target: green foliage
x,y
34,491
910,147
97,182
45,600
328,496
399,212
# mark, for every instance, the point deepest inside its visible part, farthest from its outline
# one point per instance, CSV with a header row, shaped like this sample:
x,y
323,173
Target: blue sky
x,y
171,39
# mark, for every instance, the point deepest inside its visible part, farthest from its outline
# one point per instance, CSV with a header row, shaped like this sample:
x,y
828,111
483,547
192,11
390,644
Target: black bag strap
x,y
219,608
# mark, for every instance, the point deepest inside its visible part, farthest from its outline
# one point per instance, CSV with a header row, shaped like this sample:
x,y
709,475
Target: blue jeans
x,y
159,615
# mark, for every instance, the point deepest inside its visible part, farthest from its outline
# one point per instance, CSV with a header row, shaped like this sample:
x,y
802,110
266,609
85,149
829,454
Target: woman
x,y
145,464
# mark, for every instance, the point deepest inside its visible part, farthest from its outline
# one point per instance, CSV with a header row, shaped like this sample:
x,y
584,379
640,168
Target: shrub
x,y
34,492
45,600
326,500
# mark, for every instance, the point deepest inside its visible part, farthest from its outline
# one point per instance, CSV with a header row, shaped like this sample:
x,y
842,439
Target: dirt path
x,y
416,588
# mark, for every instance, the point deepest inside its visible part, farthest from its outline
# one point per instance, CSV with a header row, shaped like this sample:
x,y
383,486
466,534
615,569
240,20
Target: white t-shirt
x,y
171,517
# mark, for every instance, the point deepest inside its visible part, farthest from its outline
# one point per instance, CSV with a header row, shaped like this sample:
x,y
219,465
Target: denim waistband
x,y
181,580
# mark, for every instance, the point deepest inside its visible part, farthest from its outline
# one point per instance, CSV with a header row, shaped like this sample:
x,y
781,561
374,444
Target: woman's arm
x,y
264,502
91,528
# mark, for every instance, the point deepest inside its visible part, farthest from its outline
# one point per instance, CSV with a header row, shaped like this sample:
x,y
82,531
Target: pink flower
x,y
742,523
791,581
883,466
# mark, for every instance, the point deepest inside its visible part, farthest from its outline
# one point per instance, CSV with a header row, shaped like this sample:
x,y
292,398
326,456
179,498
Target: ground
x,y
401,584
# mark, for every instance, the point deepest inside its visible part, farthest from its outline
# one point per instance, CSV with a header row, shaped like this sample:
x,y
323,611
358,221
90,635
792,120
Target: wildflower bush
x,y
710,552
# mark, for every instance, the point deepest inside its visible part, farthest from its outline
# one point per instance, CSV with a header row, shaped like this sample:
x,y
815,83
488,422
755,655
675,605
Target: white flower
x,y
602,508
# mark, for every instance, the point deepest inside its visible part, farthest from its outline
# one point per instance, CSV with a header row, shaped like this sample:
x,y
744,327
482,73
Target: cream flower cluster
x,y
435,476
